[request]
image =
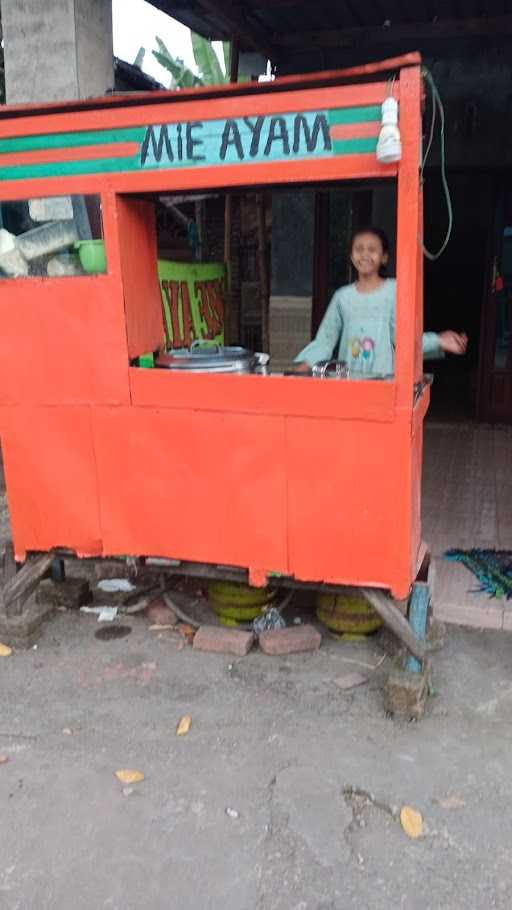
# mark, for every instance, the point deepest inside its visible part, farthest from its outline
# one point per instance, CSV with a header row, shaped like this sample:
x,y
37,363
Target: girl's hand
x,y
453,342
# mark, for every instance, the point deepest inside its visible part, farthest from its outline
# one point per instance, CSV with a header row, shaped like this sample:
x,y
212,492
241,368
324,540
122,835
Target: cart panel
x,y
349,502
138,260
63,341
192,485
51,479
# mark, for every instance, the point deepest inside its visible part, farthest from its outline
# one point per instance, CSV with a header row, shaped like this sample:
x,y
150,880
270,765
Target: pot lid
x,y
206,357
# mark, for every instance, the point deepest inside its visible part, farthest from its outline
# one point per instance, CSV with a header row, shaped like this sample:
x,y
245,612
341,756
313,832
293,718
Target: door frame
x,y
485,412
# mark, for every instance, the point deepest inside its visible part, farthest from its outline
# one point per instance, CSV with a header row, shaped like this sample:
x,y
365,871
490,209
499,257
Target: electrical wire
x,y
429,143
438,104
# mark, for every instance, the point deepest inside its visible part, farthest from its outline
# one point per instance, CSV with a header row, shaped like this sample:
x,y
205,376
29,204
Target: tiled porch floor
x,y
467,502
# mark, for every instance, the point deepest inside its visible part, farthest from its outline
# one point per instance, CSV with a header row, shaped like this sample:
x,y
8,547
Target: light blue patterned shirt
x,y
359,328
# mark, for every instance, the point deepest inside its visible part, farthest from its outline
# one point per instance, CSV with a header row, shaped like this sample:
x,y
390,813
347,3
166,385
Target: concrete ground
x,y
274,740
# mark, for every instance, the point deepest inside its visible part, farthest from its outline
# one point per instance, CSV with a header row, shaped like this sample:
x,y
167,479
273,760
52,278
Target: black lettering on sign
x,y
231,136
255,129
278,132
157,145
193,143
320,124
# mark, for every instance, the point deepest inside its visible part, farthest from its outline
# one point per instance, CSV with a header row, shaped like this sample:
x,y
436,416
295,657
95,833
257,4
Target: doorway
x,y
455,285
495,390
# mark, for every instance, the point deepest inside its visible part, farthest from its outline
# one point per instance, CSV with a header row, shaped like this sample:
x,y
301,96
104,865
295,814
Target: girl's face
x,y
367,255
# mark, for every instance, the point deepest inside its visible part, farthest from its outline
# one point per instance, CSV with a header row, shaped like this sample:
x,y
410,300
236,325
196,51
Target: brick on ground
x,y
70,593
290,641
221,640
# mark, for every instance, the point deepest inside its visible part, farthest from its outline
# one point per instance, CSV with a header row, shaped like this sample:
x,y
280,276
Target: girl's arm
x,y
329,333
432,349
435,344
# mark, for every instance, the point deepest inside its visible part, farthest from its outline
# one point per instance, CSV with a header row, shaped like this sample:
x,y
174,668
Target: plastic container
x,y
92,256
64,264
50,238
12,262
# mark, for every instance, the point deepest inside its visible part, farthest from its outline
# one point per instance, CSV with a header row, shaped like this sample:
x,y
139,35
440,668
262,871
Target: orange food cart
x,y
262,477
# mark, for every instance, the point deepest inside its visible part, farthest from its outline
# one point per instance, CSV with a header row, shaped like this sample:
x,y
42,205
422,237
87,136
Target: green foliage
x,y
139,59
226,48
207,62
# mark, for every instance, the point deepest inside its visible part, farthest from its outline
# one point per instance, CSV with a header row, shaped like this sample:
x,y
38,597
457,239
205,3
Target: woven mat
x,y
492,568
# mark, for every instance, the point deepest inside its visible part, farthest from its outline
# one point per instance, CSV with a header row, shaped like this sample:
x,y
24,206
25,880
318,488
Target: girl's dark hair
x,y
377,232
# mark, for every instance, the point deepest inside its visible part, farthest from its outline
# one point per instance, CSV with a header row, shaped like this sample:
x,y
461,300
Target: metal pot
x,y
208,358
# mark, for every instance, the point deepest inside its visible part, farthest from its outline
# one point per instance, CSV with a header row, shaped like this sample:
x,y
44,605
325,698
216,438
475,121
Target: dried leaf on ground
x,y
187,631
5,650
184,725
411,821
451,802
350,680
129,776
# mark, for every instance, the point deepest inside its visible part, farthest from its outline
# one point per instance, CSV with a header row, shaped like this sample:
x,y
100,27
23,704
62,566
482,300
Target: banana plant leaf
x,y
206,60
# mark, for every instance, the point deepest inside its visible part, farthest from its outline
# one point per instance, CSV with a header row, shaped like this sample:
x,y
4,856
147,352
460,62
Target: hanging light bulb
x,y
389,145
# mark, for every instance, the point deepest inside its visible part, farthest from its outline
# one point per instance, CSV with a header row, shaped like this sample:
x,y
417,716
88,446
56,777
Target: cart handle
x,y
203,342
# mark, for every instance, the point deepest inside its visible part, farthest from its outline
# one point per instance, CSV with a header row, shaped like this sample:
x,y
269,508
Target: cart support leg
x,y
418,615
18,588
389,612
21,618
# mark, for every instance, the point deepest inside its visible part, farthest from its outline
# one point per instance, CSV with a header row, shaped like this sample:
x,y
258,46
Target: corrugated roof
x,y
277,27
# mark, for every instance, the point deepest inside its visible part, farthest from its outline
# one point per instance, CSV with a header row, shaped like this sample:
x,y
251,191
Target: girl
x,y
359,325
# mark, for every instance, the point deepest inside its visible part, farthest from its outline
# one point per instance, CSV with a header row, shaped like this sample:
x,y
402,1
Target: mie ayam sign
x,y
253,139
241,139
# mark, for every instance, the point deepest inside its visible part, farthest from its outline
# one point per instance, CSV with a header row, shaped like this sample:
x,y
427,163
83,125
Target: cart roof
x,y
358,74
